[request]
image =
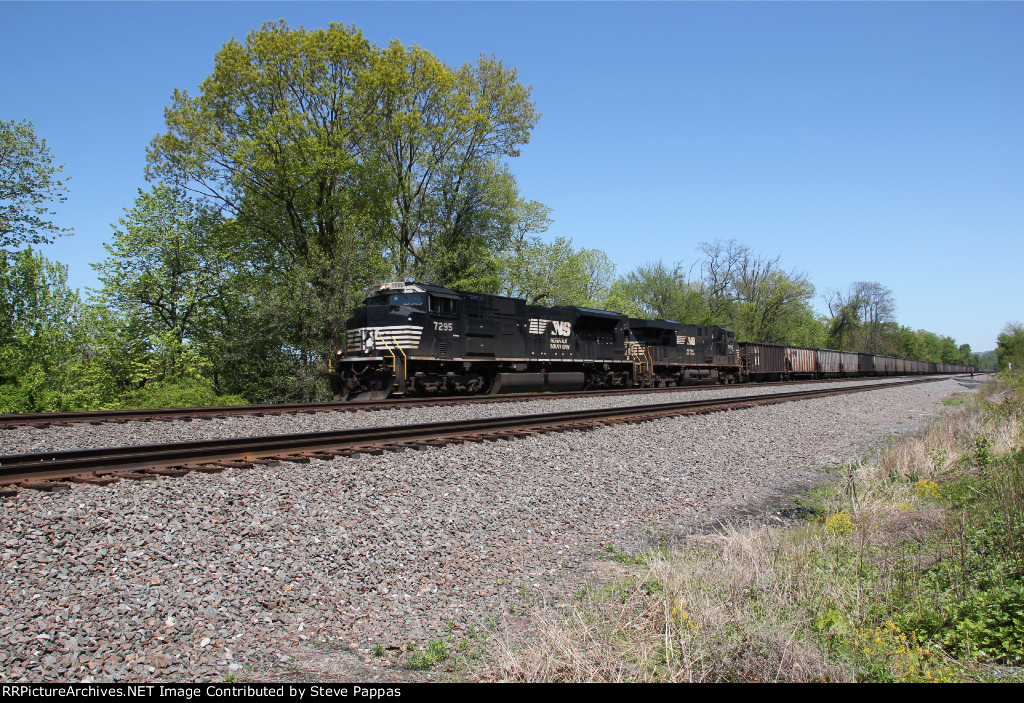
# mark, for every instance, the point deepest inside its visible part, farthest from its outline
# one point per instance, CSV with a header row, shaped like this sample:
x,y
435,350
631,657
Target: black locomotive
x,y
414,339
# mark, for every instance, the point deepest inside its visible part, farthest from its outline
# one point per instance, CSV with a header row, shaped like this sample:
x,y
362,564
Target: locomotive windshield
x,y
413,300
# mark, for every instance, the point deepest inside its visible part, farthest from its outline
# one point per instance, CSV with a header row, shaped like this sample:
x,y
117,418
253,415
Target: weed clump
x,y
435,652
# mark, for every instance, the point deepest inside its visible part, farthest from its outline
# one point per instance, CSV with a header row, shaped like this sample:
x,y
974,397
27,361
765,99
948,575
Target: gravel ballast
x,y
201,577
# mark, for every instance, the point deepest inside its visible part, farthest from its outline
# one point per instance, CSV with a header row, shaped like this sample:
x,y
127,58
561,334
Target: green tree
x,y
556,273
653,291
752,294
174,278
440,134
771,303
949,353
967,357
864,318
464,258
29,184
908,343
1010,347
168,262
988,360
929,346
808,330
345,164
718,264
276,139
513,264
42,345
844,325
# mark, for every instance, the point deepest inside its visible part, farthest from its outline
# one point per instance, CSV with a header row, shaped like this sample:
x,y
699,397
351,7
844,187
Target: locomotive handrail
x,y
405,365
400,382
387,348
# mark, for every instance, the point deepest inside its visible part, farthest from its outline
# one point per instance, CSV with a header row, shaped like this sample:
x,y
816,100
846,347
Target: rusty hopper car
x,y
849,363
802,362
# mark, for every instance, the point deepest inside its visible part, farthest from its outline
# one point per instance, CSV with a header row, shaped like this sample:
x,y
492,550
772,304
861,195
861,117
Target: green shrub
x,y
178,393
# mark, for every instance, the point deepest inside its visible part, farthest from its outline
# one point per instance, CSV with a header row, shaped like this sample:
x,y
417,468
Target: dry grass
x,y
888,498
751,604
733,607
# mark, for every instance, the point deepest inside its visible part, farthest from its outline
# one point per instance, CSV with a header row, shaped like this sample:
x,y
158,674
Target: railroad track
x,y
52,470
97,417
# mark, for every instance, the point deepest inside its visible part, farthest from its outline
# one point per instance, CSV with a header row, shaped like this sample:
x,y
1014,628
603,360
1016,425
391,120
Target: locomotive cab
x,y
408,337
389,320
379,337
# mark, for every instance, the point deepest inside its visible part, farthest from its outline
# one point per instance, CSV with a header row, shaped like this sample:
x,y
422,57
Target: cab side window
x,y
445,306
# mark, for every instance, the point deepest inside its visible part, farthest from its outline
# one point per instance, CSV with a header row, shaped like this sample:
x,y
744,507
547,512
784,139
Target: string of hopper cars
x,y
415,339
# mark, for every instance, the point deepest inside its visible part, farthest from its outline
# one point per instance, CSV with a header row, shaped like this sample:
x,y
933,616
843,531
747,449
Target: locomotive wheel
x,y
487,384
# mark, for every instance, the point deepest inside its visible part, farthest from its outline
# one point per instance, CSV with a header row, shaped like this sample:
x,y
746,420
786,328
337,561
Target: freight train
x,y
414,339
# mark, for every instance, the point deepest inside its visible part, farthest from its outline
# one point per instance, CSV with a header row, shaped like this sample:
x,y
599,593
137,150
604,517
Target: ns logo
x,y
558,327
561,329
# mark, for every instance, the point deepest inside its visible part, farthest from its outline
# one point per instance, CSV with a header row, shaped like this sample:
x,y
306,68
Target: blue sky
x,y
857,141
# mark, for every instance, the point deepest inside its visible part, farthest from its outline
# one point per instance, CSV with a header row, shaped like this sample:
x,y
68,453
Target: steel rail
x,y
119,462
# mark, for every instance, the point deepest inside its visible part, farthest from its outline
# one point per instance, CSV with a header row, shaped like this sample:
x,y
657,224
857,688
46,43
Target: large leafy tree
x,y
441,134
967,356
169,271
198,318
276,140
345,164
167,264
29,184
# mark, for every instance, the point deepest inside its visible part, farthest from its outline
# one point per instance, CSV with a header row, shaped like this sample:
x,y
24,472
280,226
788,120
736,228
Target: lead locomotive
x,y
413,339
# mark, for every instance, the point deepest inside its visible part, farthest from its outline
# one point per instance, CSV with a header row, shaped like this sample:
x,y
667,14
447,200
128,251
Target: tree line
x,y
310,165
